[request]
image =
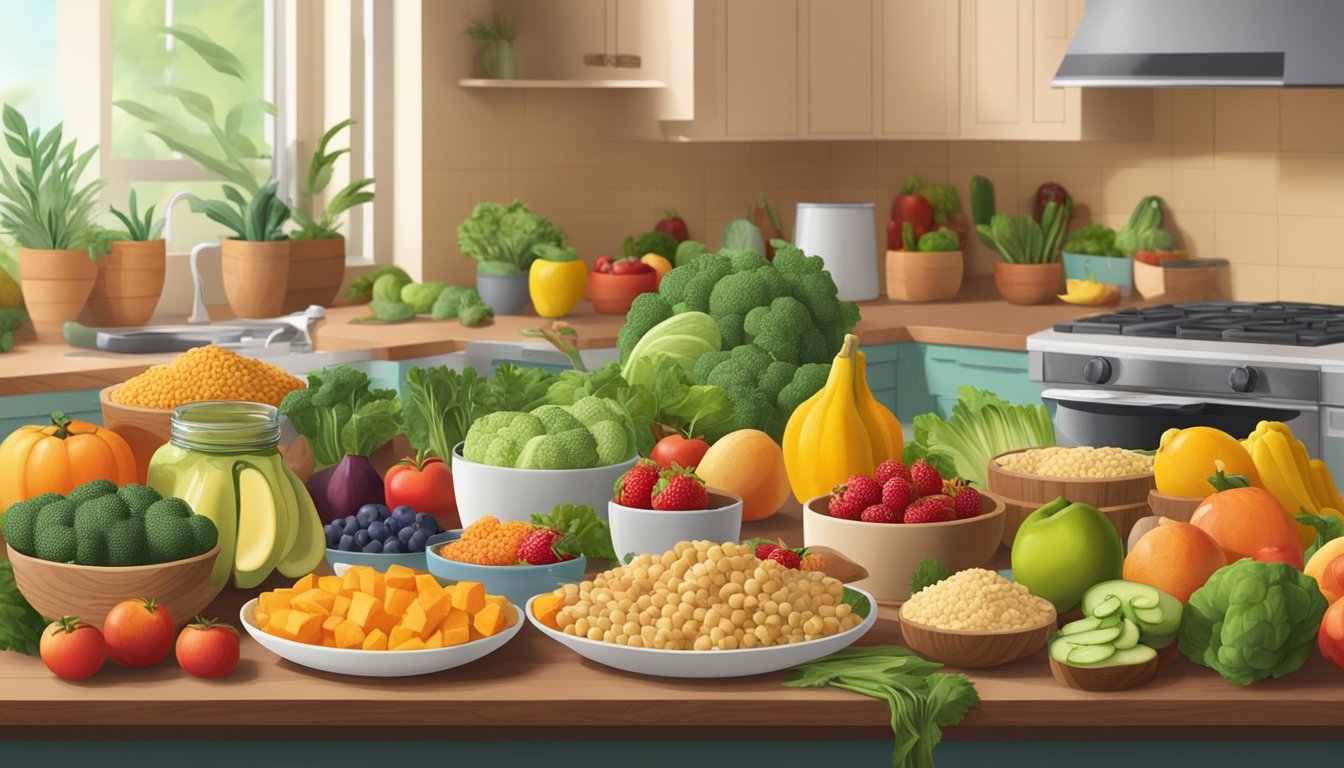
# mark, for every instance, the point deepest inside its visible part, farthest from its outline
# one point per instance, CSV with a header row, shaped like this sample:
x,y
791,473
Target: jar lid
x,y
225,426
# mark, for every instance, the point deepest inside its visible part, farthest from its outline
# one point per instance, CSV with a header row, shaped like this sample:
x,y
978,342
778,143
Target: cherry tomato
x,y
630,267
1331,637
424,484
72,650
207,649
675,449
138,633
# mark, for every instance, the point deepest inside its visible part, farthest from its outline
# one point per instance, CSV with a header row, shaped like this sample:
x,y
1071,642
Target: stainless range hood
x,y
1207,43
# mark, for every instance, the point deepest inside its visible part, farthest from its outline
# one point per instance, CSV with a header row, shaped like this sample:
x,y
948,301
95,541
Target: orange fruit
x,y
1175,557
1245,521
1186,459
1326,566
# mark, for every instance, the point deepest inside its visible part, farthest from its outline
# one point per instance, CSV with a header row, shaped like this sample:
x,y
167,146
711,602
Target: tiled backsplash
x,y
1252,176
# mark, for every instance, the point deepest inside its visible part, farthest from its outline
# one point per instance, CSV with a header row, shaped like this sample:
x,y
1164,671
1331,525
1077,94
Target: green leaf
x,y
216,56
857,601
373,423
1328,528
197,104
592,531
20,626
926,574
440,406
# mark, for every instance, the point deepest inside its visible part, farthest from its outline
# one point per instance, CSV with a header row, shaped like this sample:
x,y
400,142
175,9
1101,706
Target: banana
x,y
1321,473
211,495
1282,454
309,542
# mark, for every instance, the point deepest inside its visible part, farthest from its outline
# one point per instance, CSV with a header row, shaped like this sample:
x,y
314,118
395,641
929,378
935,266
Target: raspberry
x,y
928,510
925,478
966,504
880,513
786,557
862,490
897,493
843,508
889,469
763,550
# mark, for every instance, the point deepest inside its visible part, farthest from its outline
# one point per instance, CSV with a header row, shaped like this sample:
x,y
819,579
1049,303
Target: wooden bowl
x,y
975,650
889,552
1106,679
89,592
916,276
613,294
1180,508
1123,499
144,429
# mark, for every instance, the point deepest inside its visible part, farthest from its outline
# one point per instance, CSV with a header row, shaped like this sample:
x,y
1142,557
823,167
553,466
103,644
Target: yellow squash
x,y
839,431
1290,476
1090,293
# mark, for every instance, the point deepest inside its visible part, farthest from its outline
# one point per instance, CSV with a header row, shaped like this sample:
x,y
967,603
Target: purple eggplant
x,y
343,488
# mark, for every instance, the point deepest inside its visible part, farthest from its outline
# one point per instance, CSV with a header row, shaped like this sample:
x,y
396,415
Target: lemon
x,y
1185,460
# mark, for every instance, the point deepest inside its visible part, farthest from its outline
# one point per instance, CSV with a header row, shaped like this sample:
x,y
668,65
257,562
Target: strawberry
x,y
925,478
929,509
897,493
844,508
786,557
547,545
679,488
861,490
889,469
635,487
966,503
764,549
880,513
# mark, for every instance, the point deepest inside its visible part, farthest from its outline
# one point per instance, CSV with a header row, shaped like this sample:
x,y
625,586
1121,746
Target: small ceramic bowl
x,y
519,583
517,494
654,531
379,562
613,294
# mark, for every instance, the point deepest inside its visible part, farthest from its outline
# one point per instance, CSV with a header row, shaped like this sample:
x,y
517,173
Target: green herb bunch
x,y
258,219
1021,240
138,228
320,169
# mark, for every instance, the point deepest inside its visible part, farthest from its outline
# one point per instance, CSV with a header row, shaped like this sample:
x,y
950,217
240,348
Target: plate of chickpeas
x,y
704,610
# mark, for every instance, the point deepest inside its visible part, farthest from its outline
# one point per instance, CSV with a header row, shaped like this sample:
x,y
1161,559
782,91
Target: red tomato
x,y
603,264
630,267
1331,637
72,650
675,449
425,485
138,633
207,649
1279,555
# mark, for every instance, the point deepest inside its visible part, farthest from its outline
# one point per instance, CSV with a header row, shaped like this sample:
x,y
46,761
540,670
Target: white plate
x,y
709,664
349,661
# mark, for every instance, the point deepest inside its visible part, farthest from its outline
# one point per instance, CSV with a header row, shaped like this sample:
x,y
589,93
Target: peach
x,y
1245,521
1326,566
1175,557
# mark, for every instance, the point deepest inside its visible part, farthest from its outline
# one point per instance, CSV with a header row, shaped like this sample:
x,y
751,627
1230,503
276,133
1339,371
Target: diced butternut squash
x,y
330,584
372,582
350,581
385,622
297,626
270,602
365,611
414,644
342,606
329,623
375,641
419,621
510,613
469,596
425,582
489,620
399,635
546,607
400,576
313,601
435,604
304,584
454,629
473,635
262,619
397,599
328,642
349,635
435,640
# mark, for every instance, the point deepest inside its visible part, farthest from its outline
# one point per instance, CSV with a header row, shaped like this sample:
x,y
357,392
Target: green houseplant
x,y
1030,272
501,239
1092,252
317,248
500,59
255,259
47,210
130,276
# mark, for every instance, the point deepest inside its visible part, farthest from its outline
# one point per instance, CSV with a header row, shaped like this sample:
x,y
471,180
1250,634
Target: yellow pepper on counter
x,y
1301,484
1090,292
556,280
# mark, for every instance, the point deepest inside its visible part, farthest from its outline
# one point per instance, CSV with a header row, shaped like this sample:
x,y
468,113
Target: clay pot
x,y
129,284
56,286
256,276
1028,283
613,294
915,276
316,270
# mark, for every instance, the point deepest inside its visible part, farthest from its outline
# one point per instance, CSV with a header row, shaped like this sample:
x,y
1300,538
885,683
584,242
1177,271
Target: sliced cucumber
x,y
1106,607
1127,657
1090,654
1106,636
1085,624
1129,636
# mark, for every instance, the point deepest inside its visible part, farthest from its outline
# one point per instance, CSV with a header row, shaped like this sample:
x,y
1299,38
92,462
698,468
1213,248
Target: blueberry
x,y
333,536
362,538
404,534
378,531
366,515
347,543
373,547
393,547
338,525
418,539
392,525
351,524
383,511
404,515
403,507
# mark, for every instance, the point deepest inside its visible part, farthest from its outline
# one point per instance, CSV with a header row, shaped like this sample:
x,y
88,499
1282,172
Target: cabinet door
x,y
840,67
991,72
920,42
761,76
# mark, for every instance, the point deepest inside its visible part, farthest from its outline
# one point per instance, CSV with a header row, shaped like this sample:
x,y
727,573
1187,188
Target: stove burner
x,y
1281,322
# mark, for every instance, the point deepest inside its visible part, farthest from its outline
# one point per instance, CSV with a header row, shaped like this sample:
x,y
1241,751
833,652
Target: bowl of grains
x,y
975,619
487,551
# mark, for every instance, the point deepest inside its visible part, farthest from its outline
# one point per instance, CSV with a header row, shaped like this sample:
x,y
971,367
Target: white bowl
x,y
709,664
349,661
517,494
655,531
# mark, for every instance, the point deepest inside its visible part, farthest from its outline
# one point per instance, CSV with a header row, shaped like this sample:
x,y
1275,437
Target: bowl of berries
x,y
890,521
655,509
614,284
379,537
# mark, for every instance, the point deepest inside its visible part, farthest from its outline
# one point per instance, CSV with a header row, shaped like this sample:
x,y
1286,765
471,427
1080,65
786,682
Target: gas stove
x,y
1292,324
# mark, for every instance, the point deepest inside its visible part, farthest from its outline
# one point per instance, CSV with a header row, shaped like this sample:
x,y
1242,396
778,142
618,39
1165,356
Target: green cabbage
x,y
982,426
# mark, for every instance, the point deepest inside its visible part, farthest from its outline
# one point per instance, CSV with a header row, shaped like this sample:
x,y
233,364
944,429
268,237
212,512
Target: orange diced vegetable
x,y
469,596
397,599
350,581
313,601
373,583
489,621
400,576
270,602
454,628
399,635
418,620
330,584
435,640
298,626
425,582
349,635
546,607
342,606
510,613
414,644
375,641
435,605
365,611
305,583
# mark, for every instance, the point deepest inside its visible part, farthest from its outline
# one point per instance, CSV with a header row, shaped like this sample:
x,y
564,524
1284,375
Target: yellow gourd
x,y
884,431
825,440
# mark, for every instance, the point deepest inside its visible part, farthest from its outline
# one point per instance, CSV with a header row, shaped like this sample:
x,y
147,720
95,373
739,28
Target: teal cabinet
x,y
18,410
912,378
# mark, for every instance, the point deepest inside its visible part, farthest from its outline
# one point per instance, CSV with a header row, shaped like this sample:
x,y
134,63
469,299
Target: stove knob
x,y
1097,370
1243,379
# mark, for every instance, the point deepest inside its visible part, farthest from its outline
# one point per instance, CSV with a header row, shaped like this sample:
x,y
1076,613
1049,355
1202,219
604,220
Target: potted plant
x,y
502,240
51,217
1090,252
1030,272
500,59
255,261
130,275
927,269
317,249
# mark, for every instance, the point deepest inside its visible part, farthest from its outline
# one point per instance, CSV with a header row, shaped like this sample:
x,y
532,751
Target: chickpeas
x,y
1077,461
974,599
705,596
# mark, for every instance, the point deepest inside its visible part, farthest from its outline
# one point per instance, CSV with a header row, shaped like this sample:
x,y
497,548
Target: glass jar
x,y
223,459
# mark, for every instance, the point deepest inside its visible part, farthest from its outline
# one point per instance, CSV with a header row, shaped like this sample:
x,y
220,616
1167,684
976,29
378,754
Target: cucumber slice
x,y
1090,654
1129,636
1085,624
1106,607
1149,616
1059,648
1128,657
1096,637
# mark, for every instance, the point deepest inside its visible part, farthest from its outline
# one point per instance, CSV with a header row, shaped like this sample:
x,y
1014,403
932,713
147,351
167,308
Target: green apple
x,y
1062,549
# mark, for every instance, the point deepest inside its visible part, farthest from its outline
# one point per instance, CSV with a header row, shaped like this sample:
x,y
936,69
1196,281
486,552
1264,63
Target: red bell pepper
x,y
424,484
672,224
909,206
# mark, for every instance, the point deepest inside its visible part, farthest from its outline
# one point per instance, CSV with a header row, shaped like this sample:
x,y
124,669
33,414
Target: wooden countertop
x,y
976,318
536,688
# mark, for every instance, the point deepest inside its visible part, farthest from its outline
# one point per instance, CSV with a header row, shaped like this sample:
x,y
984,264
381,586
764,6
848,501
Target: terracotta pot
x,y
1029,283
316,270
613,294
915,276
56,286
129,284
256,276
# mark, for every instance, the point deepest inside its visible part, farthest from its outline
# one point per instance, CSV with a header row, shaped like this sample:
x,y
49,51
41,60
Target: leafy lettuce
x,y
982,426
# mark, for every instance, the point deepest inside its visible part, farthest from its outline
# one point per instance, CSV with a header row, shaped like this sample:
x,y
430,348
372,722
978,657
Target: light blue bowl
x,y
519,583
1106,269
378,562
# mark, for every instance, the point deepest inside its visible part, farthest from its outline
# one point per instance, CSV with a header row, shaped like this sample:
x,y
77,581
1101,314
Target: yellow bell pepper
x,y
556,282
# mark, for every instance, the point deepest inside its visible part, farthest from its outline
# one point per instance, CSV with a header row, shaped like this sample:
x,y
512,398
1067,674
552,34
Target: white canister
x,y
843,235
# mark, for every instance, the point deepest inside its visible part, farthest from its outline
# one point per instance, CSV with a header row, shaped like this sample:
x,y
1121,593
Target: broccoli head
x,y
709,271
778,328
747,261
90,491
751,410
109,534
646,311
138,497
613,443
707,363
172,532
807,381
775,378
20,522
474,313
498,438
56,539
730,331
737,294
556,419
571,449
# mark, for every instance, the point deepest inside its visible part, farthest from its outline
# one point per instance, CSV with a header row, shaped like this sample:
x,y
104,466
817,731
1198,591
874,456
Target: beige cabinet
x,y
919,68
1010,50
761,68
841,41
